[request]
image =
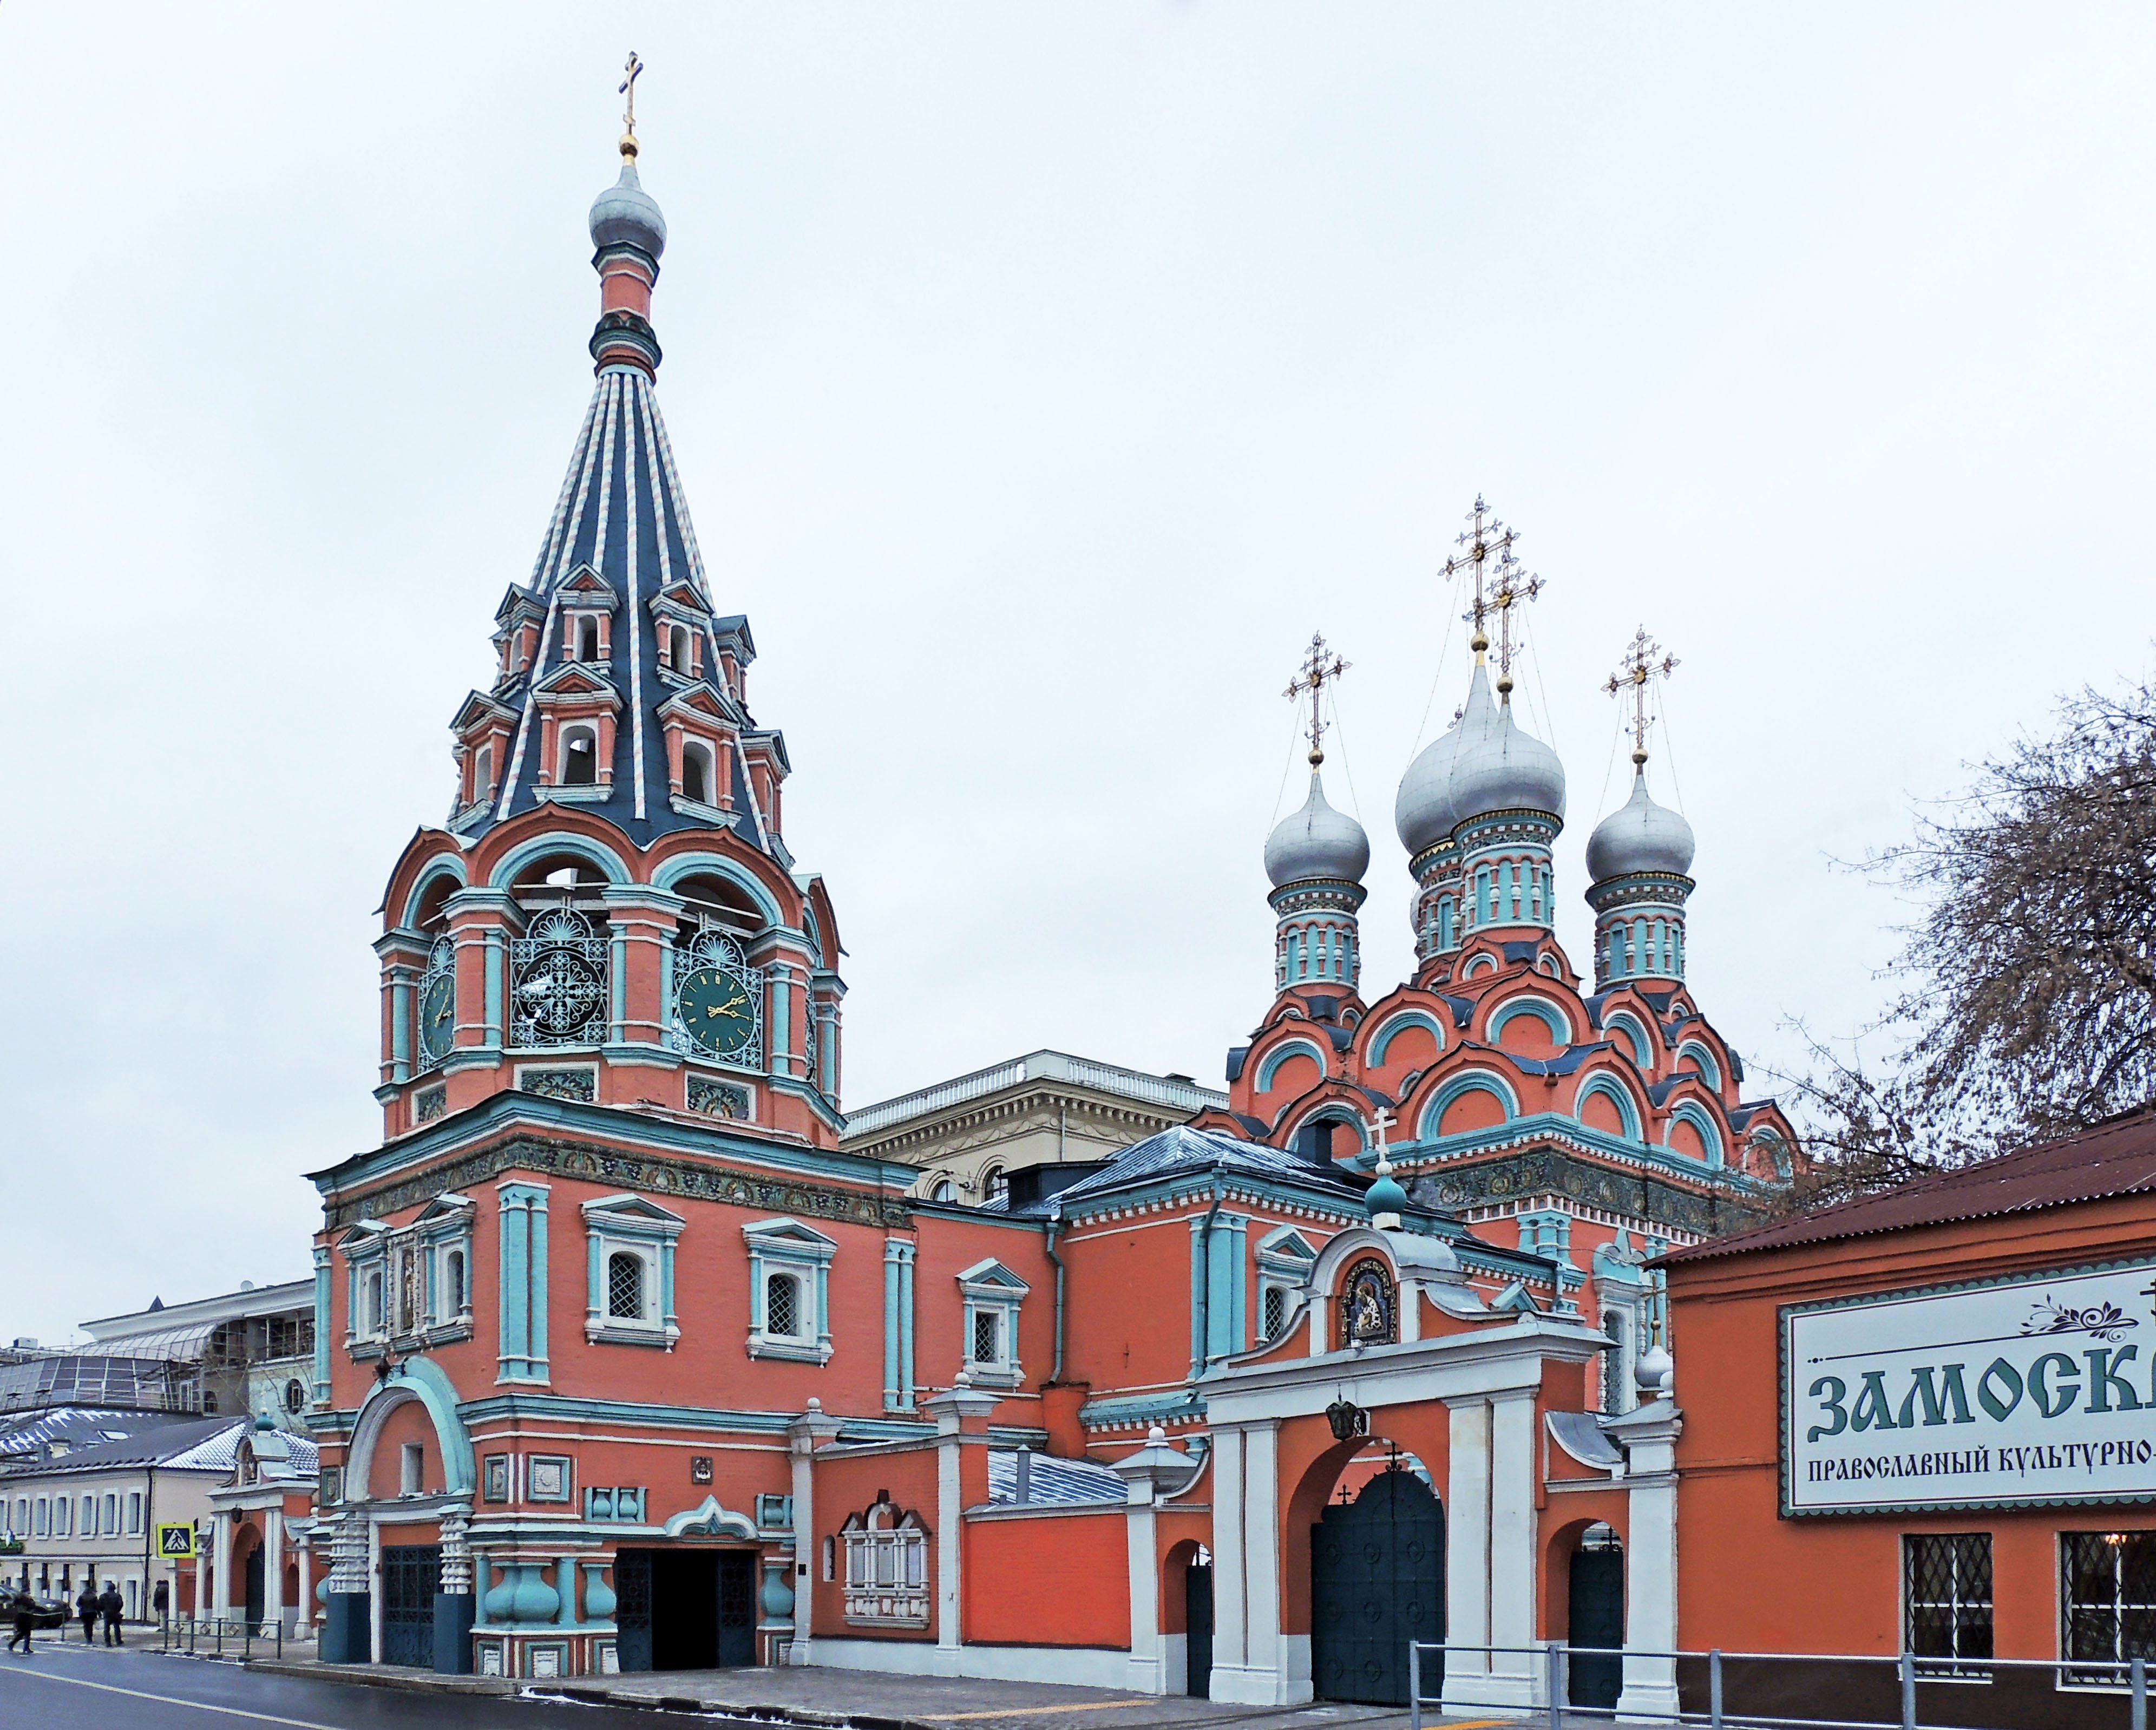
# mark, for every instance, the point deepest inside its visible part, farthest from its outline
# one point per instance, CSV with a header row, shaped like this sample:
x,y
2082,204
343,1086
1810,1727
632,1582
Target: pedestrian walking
x,y
26,1614
113,1607
85,1606
161,1602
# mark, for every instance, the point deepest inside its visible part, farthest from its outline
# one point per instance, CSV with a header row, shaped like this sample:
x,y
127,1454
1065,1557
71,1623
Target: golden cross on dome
x,y
1312,677
1514,587
1488,541
632,69
1633,673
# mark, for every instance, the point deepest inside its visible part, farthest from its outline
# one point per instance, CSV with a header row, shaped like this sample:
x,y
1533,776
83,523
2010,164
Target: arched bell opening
x,y
1186,1619
1363,1554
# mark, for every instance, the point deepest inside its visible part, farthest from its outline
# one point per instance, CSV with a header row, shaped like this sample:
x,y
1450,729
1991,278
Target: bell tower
x,y
609,914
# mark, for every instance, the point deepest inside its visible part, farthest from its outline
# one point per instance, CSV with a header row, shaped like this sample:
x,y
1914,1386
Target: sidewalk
x,y
873,1700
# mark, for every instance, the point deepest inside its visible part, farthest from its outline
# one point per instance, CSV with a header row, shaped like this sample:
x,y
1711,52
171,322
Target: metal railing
x,y
220,1637
1550,1664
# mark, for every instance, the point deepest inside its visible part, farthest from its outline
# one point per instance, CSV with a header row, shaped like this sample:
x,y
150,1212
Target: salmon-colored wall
x,y
1059,1581
1738,1556
850,1486
408,1423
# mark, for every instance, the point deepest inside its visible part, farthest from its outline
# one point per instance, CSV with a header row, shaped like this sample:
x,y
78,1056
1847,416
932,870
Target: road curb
x,y
369,1677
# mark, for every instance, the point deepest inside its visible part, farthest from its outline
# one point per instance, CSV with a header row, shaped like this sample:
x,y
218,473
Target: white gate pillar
x,y
221,1547
1650,1437
273,1566
1251,1657
806,1433
1156,1470
1490,1551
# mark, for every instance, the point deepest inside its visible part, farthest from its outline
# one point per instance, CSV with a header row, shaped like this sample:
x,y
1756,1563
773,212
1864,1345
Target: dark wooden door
x,y
411,1576
632,1610
1198,1623
1598,1620
258,1597
1377,1567
736,1608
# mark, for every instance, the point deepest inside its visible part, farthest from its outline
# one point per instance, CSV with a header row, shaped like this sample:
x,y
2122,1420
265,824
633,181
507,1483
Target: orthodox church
x,y
623,1362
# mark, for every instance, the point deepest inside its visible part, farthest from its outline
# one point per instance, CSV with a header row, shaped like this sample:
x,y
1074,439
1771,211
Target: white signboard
x,y
2037,1389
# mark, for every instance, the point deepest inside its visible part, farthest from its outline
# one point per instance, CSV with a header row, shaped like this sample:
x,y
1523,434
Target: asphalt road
x,y
72,1687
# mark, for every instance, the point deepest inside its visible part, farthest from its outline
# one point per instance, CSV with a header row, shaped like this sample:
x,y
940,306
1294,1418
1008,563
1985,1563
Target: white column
x,y
1650,1558
804,1435
273,1565
1467,1554
374,1591
1512,1526
948,1536
304,1622
221,1546
1147,1674
1231,1644
1268,1647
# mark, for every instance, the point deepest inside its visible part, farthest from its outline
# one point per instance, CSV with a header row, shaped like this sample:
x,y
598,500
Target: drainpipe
x,y
1056,1224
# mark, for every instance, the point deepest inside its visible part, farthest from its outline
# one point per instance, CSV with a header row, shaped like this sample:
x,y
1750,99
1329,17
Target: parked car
x,y
42,1615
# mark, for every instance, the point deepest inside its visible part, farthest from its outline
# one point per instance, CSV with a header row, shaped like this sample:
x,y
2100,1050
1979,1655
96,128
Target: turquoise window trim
x,y
1468,1081
436,869
634,1225
1635,1037
1541,1008
1698,1052
400,1028
1225,1322
898,1385
1701,1119
1269,1066
1608,1086
787,1246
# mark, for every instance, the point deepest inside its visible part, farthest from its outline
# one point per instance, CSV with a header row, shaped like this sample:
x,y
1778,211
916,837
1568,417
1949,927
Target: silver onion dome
x,y
625,214
1422,812
1497,766
1316,842
1639,835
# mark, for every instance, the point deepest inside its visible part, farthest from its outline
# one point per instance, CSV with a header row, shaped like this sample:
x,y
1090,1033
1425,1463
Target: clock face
x,y
717,1011
438,1017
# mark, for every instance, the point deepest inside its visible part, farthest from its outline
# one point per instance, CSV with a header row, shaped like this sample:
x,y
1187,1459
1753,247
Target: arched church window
x,y
625,1286
453,1284
677,640
696,772
558,981
580,757
588,639
483,774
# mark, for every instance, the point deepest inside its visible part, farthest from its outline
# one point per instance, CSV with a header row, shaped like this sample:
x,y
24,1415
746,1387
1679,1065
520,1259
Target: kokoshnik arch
x,y
622,1362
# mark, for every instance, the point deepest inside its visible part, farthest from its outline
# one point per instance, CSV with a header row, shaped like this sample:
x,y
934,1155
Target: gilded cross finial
x,y
1633,674
632,69
1488,544
1513,586
1312,677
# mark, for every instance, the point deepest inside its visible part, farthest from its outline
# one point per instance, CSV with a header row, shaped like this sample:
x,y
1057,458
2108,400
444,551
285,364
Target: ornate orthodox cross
x,y
633,69
1514,587
1311,676
1633,673
1488,542
1382,1122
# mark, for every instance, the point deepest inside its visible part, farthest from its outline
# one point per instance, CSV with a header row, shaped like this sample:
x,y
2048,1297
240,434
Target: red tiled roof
x,y
2114,1158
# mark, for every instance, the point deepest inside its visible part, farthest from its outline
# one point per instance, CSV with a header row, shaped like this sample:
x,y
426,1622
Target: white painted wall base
x,y
1247,1685
1077,1666
1175,1663
1477,1689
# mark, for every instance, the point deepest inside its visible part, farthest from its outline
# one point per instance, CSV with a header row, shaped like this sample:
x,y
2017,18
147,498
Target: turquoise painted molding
x,y
1551,1016
1692,1111
715,865
511,863
523,1315
1602,1083
445,864
1432,1152
1270,1065
1395,1024
1466,1082
321,1388
507,1406
1709,1065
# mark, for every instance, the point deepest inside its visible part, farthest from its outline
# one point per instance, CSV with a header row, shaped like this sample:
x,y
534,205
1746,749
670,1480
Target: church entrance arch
x,y
684,1608
1376,1582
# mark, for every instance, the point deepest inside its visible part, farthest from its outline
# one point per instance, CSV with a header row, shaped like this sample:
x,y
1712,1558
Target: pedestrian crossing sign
x,y
176,1543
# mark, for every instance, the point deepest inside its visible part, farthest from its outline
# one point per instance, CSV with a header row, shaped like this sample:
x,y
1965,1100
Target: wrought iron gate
x,y
411,1576
1597,1607
1198,1629
1376,1580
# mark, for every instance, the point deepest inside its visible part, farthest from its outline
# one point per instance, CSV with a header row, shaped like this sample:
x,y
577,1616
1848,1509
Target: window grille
x,y
2108,1596
559,976
625,1286
987,1336
1275,1306
1946,1594
782,1308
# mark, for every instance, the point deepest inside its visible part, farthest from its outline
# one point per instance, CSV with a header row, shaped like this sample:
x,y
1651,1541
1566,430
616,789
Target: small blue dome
x,y
625,214
1639,835
1317,843
1385,1196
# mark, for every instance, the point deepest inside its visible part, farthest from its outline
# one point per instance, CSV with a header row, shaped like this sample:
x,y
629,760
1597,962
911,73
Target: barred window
x,y
987,1336
1946,1594
1275,1308
2109,1593
781,1307
625,1286
453,1284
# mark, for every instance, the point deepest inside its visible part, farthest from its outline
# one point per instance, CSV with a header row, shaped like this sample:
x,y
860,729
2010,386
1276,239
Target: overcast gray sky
x,y
1040,376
